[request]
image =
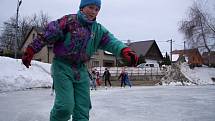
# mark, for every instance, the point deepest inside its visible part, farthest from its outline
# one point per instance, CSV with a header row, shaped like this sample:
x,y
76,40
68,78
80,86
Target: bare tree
x,y
7,37
8,34
199,29
39,20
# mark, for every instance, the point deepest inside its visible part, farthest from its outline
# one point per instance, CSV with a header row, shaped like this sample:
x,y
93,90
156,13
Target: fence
x,y
132,71
138,76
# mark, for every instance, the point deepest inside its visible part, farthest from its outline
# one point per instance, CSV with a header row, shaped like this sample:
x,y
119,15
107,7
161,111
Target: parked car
x,y
150,67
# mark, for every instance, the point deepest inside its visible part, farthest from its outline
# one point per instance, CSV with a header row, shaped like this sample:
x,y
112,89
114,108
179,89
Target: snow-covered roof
x,y
175,57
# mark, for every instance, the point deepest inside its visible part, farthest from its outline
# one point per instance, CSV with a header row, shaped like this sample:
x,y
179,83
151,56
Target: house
x,y
193,56
102,58
148,49
209,58
46,54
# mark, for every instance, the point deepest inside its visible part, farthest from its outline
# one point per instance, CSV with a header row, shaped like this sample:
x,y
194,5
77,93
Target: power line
x,y
161,41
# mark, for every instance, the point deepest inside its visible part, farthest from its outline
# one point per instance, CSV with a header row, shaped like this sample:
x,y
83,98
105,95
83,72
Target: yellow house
x,y
46,54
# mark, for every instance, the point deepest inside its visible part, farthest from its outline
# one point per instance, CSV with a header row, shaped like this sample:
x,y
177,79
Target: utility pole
x,y
170,49
184,48
19,2
184,45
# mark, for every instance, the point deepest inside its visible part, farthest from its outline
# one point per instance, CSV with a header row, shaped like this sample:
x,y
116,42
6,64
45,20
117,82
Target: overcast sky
x,y
127,19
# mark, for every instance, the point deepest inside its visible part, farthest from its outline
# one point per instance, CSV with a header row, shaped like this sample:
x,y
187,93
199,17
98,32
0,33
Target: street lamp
x,y
19,2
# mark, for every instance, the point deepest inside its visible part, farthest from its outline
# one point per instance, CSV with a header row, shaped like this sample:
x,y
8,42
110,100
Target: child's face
x,y
91,11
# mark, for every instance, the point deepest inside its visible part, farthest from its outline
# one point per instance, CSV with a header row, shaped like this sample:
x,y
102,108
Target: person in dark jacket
x,y
106,77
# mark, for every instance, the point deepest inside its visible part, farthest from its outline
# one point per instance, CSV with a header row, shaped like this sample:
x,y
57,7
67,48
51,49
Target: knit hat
x,y
88,2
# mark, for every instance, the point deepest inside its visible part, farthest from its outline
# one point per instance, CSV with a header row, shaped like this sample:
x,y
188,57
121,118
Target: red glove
x,y
130,56
27,57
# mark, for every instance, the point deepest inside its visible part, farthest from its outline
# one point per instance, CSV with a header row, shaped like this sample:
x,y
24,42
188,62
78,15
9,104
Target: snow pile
x,y
199,75
174,77
15,76
179,75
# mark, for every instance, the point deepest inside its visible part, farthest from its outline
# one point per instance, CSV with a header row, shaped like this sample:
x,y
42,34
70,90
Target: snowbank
x,y
183,75
199,75
15,76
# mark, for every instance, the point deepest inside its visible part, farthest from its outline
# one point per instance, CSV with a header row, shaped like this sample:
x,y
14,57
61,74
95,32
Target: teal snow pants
x,y
72,96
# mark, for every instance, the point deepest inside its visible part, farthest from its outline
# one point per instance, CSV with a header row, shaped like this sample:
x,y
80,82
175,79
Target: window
x,y
95,63
151,65
33,36
96,53
108,63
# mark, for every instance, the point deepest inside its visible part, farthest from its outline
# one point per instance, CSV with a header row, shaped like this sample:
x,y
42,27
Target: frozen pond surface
x,y
165,103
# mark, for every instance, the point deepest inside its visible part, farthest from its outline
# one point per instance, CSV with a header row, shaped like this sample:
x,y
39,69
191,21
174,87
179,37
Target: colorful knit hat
x,y
88,2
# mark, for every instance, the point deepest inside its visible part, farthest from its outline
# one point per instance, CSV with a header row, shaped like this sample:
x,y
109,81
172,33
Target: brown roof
x,y
146,49
141,47
194,57
187,51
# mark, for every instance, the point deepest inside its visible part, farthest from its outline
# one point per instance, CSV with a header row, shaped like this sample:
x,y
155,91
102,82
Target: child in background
x,y
93,81
106,77
124,79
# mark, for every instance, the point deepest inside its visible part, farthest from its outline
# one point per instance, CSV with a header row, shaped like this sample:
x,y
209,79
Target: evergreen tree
x,y
166,60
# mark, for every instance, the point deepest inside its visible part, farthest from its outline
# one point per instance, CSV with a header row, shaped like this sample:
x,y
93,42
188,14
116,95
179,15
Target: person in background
x,y
93,81
98,83
127,80
124,78
106,77
75,38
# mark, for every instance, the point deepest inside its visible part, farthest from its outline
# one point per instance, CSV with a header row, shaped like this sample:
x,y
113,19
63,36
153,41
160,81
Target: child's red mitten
x,y
27,57
130,56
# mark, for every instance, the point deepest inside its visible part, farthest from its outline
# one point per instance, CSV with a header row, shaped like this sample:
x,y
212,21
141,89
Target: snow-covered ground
x,y
155,103
199,75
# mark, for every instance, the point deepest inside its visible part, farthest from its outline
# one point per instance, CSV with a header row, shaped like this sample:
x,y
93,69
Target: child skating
x,y
76,37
